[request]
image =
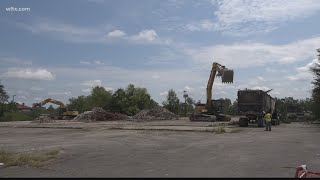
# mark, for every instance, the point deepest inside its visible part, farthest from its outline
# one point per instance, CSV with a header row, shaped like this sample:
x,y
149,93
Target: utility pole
x,y
185,95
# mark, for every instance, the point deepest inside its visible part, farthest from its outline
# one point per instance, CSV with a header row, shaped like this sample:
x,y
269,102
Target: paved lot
x,y
131,153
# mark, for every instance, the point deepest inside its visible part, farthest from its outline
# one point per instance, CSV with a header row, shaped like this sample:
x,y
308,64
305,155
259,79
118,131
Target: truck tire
x,y
243,122
260,122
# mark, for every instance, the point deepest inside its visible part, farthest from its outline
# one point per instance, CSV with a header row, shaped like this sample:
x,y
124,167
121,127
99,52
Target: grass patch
x,y
34,159
17,116
220,130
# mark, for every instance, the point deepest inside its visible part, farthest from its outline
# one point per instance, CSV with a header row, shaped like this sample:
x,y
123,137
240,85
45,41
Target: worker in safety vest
x,y
268,121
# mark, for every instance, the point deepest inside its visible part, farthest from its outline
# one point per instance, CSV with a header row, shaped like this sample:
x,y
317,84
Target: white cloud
x,y
85,62
98,62
241,17
108,89
145,35
261,78
164,93
72,32
81,34
278,70
67,93
37,99
93,62
155,76
264,88
203,25
86,90
116,34
28,73
242,55
189,89
36,89
274,93
166,57
92,83
304,73
176,3
220,92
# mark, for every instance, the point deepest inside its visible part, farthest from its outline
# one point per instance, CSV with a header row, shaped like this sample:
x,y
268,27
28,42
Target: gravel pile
x,y
98,114
157,113
44,118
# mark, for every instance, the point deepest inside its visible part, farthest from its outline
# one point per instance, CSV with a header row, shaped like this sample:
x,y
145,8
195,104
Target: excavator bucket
x,y
227,76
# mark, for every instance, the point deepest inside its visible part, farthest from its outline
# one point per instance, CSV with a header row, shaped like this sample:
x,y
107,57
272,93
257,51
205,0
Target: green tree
x,y
119,101
233,108
81,104
100,98
3,94
316,89
226,105
127,101
3,98
189,105
172,103
131,100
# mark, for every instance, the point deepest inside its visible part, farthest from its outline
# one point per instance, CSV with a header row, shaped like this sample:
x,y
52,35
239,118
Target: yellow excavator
x,y
211,110
63,114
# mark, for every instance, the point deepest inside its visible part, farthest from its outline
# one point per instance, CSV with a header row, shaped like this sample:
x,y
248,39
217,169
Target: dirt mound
x,y
44,118
98,114
157,113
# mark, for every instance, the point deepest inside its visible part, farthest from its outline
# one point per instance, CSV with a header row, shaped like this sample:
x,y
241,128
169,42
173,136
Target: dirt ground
x,y
105,152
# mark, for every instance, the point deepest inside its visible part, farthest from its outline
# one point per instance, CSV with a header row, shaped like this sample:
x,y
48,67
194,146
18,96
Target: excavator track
x,y
202,117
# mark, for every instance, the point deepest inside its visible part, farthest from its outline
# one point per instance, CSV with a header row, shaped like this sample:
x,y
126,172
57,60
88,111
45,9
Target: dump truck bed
x,y
254,102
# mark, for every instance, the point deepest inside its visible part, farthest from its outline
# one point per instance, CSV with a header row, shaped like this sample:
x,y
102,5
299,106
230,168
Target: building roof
x,y
22,106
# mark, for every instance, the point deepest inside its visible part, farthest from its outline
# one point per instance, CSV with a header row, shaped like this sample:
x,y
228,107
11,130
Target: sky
x,y
61,49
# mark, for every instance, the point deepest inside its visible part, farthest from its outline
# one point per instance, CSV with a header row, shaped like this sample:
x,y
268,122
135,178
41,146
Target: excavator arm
x,y
204,112
64,114
226,77
44,102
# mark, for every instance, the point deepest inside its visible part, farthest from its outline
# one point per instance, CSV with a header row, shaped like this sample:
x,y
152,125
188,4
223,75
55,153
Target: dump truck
x,y
251,107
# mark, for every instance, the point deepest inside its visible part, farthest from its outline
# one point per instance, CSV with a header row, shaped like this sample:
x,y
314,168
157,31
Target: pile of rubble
x,y
98,114
157,113
233,122
44,118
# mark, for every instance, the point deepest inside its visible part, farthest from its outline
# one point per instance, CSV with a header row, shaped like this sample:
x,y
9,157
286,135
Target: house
x,y
23,108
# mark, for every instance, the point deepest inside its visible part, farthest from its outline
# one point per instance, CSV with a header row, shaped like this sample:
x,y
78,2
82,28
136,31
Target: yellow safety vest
x,y
268,117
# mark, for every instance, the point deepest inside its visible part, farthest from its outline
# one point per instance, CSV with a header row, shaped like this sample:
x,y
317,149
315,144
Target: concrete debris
x,y
233,122
157,113
98,114
44,118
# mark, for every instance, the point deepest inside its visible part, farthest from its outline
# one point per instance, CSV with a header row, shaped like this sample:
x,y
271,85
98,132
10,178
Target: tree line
x,y
131,100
